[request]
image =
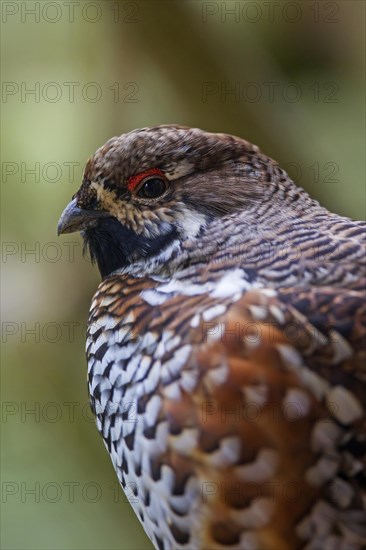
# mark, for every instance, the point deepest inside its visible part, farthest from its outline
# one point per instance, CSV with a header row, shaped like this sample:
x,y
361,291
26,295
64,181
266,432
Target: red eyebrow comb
x,y
133,181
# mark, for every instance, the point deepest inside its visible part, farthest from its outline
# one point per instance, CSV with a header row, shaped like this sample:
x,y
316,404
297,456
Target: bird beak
x,y
74,218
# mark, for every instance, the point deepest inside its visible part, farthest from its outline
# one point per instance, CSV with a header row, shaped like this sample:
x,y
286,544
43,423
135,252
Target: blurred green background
x,y
285,75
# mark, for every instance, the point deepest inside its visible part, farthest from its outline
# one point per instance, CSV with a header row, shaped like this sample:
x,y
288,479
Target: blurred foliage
x,y
172,62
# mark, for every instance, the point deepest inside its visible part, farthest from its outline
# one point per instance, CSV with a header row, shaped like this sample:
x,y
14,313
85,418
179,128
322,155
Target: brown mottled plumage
x,y
226,344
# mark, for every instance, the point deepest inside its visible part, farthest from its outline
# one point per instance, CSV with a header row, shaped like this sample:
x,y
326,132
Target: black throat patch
x,y
113,246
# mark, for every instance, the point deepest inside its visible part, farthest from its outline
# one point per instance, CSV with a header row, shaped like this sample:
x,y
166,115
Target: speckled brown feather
x,y
218,409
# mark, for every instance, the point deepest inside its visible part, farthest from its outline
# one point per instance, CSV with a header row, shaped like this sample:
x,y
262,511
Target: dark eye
x,y
152,188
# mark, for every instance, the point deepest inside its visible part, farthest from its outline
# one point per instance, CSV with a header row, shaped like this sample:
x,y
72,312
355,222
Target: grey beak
x,y
74,218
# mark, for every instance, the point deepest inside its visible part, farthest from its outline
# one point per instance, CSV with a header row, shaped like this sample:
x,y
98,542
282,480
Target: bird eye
x,y
152,188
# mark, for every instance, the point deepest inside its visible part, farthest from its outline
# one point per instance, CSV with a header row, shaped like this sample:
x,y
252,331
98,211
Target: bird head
x,y
147,192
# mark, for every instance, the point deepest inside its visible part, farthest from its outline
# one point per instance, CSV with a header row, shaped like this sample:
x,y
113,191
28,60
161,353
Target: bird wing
x,y
250,427
282,424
